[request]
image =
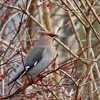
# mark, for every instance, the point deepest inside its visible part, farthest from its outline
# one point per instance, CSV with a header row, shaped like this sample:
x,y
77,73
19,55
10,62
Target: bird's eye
x,y
52,35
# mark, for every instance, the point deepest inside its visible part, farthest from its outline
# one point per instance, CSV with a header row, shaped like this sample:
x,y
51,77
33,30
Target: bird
x,y
38,58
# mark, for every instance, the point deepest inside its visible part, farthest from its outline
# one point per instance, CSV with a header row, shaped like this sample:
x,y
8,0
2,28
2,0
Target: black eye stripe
x,y
51,35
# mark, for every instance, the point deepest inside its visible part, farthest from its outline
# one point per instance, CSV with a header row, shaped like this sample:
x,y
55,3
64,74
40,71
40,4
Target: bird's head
x,y
50,34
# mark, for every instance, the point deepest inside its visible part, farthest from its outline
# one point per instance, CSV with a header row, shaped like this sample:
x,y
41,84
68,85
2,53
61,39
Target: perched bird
x,y
38,58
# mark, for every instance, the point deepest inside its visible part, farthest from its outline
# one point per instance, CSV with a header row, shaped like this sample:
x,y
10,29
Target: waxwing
x,y
38,58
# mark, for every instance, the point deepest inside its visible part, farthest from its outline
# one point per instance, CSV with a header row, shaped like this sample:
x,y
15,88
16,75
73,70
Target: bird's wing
x,y
32,58
35,59
44,62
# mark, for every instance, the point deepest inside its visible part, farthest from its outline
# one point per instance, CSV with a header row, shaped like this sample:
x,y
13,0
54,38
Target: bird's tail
x,y
15,75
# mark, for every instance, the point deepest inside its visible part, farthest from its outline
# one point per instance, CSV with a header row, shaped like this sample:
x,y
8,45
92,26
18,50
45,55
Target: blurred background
x,y
75,75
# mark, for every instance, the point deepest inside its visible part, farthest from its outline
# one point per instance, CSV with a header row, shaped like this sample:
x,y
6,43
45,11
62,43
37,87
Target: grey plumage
x,y
37,59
